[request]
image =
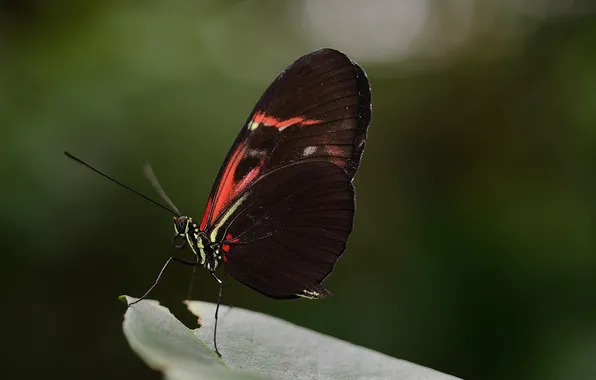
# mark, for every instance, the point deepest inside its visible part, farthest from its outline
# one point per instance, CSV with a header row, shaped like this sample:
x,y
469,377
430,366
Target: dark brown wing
x,y
288,230
317,109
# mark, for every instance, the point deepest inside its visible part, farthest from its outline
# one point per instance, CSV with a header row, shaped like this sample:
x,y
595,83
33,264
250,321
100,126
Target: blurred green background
x,y
474,249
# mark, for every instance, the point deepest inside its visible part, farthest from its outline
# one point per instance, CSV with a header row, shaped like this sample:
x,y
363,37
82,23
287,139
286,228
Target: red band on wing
x,y
270,121
228,189
206,214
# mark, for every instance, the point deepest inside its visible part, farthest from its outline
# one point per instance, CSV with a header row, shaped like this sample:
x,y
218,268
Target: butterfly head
x,y
186,232
181,226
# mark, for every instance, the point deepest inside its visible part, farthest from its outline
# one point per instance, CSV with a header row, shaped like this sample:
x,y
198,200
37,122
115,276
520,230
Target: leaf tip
x,y
127,300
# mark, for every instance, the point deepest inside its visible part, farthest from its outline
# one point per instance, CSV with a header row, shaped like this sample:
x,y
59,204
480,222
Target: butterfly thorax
x,y
186,231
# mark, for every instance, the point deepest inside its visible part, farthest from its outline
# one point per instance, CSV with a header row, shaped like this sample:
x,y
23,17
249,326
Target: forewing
x,y
283,236
317,109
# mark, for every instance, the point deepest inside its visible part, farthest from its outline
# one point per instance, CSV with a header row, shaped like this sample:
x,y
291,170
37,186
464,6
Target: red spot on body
x,y
230,240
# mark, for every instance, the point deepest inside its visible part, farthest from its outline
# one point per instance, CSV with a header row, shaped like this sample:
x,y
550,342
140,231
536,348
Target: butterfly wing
x,y
283,203
289,229
319,108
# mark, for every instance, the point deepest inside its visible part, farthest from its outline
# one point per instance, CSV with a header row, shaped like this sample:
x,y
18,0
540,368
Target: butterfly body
x,y
207,253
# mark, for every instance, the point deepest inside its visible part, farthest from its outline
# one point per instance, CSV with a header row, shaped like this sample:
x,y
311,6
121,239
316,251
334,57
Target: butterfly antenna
x,y
121,184
148,170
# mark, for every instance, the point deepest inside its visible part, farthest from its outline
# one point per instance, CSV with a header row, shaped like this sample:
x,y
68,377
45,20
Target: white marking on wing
x,y
253,125
309,150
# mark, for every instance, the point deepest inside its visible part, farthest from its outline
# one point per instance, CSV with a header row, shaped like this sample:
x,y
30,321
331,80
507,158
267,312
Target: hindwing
x,y
288,229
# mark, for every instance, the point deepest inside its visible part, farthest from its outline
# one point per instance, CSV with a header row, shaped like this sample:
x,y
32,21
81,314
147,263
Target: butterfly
x,y
282,206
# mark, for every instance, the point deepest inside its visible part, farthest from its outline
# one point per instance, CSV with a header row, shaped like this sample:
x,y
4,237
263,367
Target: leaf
x,y
260,343
166,345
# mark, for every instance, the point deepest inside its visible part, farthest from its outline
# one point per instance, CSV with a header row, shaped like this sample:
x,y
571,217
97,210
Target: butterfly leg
x,y
192,282
161,272
221,285
192,278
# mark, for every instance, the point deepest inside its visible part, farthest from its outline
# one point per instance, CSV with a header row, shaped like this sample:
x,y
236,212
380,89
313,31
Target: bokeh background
x,y
474,249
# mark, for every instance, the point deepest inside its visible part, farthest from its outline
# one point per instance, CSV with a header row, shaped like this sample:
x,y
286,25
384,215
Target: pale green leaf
x,y
165,344
260,343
